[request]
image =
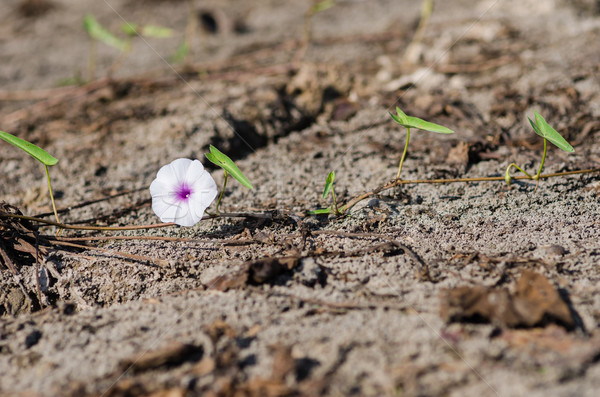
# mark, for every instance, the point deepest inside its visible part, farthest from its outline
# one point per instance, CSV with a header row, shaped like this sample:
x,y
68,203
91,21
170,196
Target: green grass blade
x,y
322,6
401,117
329,184
130,29
415,122
546,131
98,32
535,128
401,114
320,212
154,31
218,158
158,32
182,50
36,152
397,119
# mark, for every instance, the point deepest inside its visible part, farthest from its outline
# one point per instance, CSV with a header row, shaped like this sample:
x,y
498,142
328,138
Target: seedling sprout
x,y
413,122
222,160
543,129
97,32
316,7
37,153
328,188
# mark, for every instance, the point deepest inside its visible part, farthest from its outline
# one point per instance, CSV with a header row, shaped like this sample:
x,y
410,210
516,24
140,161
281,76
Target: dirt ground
x,y
454,289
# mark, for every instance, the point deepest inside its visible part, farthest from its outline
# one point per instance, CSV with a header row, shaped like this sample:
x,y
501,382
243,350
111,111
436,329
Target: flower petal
x,y
174,172
160,188
185,216
168,210
204,190
195,170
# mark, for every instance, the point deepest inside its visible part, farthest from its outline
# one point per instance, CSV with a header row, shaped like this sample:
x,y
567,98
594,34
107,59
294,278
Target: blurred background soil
x,y
470,289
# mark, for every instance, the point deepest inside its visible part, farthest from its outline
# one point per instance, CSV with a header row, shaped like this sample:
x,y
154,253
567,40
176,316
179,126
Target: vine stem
x,y
51,195
335,204
508,178
537,177
397,182
267,215
403,153
221,195
257,215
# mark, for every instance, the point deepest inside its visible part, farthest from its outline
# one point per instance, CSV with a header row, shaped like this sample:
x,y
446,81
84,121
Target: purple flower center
x,y
183,192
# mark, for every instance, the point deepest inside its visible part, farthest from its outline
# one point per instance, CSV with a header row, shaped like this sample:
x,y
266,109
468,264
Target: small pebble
x,y
373,203
553,250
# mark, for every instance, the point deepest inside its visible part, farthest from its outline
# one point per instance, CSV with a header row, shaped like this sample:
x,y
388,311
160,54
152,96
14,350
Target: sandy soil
x,y
458,289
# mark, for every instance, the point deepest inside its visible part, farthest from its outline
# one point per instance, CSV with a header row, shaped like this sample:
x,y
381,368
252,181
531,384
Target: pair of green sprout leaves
x,y
215,156
540,126
220,159
405,121
37,153
98,32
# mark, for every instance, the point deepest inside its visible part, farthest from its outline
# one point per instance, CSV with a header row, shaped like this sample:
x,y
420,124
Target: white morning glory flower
x,y
182,191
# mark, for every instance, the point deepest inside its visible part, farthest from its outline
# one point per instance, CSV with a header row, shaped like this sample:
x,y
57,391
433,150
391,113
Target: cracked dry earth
x,y
457,289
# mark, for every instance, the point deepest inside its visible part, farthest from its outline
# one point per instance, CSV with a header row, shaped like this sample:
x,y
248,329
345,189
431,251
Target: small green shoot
x,y
222,160
37,153
218,158
100,33
543,129
328,188
329,185
409,122
153,31
321,5
316,7
97,32
413,52
182,51
321,211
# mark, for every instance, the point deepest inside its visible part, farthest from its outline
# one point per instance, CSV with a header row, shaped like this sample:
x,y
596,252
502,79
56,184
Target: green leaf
x,y
320,212
98,32
322,6
415,122
329,184
36,152
159,32
130,29
400,118
218,158
543,129
535,127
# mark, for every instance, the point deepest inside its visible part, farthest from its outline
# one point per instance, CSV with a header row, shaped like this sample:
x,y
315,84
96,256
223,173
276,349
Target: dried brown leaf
x,y
535,302
172,354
